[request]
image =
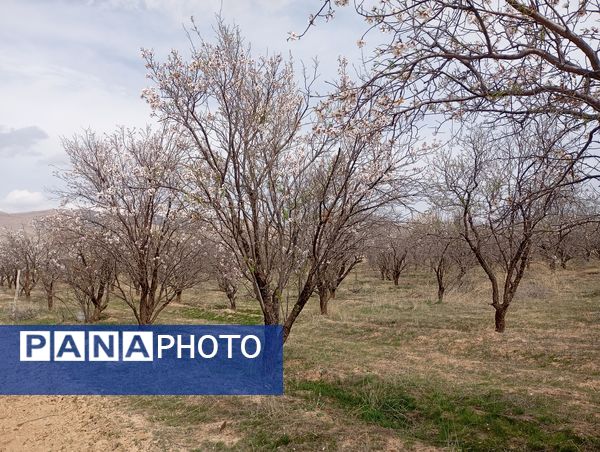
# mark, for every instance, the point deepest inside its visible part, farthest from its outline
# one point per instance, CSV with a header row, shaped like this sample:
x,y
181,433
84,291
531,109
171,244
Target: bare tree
x,y
48,263
8,263
439,246
279,199
23,250
390,248
590,240
332,275
190,256
504,186
86,268
222,267
567,228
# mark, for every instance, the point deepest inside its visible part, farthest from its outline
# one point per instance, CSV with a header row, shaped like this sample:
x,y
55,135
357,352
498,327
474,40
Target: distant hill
x,y
17,220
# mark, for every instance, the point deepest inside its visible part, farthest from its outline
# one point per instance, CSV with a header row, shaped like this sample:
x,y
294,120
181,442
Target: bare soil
x,y
69,423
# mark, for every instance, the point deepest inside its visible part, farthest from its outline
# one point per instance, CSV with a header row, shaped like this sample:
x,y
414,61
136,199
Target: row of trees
x,y
73,250
434,243
73,256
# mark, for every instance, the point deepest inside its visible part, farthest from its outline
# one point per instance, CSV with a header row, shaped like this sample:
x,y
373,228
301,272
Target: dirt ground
x,y
69,423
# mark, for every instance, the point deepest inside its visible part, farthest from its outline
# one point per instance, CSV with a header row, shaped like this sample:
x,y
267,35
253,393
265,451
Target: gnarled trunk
x,y
230,290
99,301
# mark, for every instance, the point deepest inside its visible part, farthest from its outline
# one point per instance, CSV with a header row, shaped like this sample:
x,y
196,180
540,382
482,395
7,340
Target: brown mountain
x,y
17,220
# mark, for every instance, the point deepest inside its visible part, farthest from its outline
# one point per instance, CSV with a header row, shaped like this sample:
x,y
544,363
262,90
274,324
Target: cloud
x,y
23,201
66,65
20,141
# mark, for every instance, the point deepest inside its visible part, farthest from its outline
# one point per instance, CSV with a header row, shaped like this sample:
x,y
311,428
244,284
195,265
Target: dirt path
x,y
77,423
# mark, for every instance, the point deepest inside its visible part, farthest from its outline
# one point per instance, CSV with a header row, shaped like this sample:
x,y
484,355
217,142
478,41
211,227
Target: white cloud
x,y
23,201
20,141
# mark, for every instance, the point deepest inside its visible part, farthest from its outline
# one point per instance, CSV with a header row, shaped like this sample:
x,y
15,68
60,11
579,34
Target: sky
x,y
68,65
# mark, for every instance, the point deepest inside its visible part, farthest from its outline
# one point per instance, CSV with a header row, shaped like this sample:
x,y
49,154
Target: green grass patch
x,y
264,433
483,420
263,427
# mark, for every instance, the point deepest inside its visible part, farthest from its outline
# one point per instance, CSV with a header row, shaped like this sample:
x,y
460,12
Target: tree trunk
x,y
462,271
97,312
440,295
323,299
178,296
303,298
270,301
500,318
27,284
231,298
145,307
332,293
439,276
50,296
396,277
231,291
271,312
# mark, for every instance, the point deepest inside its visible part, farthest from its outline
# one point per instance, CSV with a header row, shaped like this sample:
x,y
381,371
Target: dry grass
x,y
390,369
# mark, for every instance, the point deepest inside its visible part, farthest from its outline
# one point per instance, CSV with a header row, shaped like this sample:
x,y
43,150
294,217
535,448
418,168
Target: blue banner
x,y
141,360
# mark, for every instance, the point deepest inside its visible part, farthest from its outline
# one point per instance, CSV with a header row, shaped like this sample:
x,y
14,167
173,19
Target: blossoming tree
x,y
130,179
281,183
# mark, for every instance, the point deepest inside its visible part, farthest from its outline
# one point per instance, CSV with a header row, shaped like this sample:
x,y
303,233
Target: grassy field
x,y
390,369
